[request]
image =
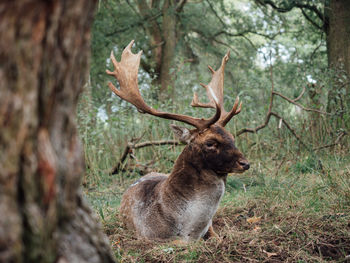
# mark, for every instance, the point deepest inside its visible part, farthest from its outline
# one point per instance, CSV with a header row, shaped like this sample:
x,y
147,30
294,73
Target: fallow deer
x,y
180,206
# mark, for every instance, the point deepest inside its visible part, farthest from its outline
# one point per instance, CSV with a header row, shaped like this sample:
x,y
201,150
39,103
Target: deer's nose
x,y
245,164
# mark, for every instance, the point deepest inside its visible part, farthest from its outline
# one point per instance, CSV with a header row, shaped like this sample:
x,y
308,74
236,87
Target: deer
x,y
180,206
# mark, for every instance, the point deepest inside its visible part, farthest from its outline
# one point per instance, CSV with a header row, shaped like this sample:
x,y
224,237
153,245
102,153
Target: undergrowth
x,y
292,205
284,209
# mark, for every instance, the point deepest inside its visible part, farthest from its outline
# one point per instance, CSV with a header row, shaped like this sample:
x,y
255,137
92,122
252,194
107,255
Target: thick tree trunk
x,y
338,49
44,47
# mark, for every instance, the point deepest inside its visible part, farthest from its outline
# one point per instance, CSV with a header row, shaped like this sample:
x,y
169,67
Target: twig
x,y
301,94
290,129
125,154
279,166
337,141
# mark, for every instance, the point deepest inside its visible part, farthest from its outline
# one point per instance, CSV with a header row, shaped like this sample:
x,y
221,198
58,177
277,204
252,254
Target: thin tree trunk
x,y
44,47
338,48
168,52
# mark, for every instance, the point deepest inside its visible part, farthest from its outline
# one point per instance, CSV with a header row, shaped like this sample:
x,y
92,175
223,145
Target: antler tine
x,y
227,116
215,93
196,103
126,72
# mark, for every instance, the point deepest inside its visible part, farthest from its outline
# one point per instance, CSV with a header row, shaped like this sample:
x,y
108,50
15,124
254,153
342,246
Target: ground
x,y
282,210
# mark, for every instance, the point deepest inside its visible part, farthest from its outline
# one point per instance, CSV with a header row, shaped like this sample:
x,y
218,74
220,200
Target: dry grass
x,y
254,233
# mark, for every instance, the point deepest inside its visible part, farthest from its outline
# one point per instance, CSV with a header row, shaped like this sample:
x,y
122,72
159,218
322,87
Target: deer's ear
x,y
181,133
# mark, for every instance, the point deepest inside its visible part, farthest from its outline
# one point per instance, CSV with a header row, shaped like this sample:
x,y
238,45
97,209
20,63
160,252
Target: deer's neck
x,y
190,179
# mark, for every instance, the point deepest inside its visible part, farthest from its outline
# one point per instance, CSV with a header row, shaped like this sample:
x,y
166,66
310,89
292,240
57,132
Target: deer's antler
x,y
126,72
215,93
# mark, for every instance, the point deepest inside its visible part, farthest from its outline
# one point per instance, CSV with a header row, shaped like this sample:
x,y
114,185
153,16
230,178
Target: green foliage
x,y
254,35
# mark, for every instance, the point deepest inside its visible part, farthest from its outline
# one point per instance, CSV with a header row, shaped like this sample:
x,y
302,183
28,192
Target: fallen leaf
x,y
254,219
257,228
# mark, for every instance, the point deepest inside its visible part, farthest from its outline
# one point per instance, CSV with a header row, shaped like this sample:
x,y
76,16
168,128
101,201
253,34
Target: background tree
x,y
158,22
44,50
171,34
332,18
204,31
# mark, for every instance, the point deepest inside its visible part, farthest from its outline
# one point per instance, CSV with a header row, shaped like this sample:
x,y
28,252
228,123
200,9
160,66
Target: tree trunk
x,y
168,52
162,40
44,47
338,49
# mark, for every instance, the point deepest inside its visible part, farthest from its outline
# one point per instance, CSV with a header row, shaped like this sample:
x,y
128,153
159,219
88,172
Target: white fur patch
x,y
197,217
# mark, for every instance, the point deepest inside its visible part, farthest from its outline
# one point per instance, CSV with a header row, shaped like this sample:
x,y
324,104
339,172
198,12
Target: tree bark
x,y
338,34
44,48
168,52
162,38
338,49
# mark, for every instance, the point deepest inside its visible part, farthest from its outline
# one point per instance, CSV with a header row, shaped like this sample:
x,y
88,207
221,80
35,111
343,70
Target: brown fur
x,y
181,205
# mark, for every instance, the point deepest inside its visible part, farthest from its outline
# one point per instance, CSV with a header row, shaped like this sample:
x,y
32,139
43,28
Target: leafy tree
x,y
171,34
331,18
257,37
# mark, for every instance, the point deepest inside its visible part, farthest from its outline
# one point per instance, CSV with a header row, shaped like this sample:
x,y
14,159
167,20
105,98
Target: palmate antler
x,y
126,72
215,93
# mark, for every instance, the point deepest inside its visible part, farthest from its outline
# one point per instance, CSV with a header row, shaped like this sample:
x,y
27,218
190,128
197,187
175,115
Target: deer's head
x,y
213,148
210,146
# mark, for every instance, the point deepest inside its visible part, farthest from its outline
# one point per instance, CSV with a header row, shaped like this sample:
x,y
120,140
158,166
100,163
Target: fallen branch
x,y
131,146
161,142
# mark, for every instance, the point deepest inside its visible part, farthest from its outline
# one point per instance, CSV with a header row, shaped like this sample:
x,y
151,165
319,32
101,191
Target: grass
x,y
284,209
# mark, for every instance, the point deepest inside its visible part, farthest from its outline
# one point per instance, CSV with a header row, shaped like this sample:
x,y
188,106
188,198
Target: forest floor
x,y
279,211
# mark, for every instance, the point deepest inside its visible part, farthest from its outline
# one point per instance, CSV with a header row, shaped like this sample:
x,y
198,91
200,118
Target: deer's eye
x,y
211,144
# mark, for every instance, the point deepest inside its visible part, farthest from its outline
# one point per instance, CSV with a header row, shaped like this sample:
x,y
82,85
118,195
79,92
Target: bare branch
x,y
291,6
302,6
247,31
270,113
299,105
119,165
216,14
308,18
290,129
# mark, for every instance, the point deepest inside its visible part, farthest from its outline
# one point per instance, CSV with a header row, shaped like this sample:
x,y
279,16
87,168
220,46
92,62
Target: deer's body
x,y
181,205
156,215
